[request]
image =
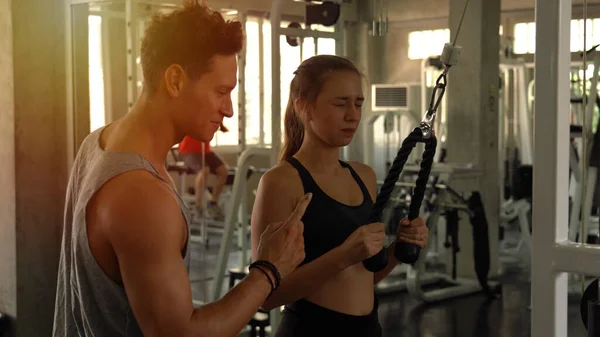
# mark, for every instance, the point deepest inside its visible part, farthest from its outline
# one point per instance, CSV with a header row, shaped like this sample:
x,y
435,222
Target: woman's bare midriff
x,y
350,292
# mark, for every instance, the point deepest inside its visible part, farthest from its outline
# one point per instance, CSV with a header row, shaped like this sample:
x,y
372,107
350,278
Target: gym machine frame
x,y
521,112
416,275
520,107
553,254
592,175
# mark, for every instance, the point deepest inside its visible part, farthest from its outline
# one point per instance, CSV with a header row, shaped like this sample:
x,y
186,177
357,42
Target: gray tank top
x,y
88,302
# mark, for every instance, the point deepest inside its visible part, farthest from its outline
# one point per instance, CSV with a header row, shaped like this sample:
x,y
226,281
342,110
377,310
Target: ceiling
x,y
409,10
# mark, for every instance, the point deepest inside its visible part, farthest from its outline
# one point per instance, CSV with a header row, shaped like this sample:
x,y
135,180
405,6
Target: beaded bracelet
x,y
268,278
271,267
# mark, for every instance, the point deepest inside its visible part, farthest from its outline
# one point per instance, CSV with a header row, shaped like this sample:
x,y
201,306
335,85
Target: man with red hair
x,y
125,256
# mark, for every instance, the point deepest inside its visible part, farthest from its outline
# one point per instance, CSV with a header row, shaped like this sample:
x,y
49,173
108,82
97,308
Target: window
x,y
291,57
524,41
426,43
96,75
230,138
252,85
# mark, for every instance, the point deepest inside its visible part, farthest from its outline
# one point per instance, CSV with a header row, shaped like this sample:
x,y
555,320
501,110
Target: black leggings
x,y
306,319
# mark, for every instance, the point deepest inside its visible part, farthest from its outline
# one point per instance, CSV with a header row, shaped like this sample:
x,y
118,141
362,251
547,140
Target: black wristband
x,y
272,268
267,275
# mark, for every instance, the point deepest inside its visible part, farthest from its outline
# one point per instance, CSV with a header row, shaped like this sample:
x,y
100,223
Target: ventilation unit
x,y
395,97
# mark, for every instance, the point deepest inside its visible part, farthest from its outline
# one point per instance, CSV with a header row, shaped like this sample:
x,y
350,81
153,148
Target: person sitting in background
x,y
191,152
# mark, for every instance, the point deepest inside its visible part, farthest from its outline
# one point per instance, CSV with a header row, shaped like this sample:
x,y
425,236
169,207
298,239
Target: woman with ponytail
x,y
330,293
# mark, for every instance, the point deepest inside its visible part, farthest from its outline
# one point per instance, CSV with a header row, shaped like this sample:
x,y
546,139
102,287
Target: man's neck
x,y
147,130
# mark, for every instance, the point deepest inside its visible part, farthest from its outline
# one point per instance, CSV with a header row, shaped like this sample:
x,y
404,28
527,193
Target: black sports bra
x,y
328,222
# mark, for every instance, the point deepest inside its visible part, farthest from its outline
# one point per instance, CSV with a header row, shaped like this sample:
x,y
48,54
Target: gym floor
x,y
403,316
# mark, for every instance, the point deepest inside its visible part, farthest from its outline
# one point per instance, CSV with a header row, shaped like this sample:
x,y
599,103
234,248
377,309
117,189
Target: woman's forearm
x,y
307,279
392,263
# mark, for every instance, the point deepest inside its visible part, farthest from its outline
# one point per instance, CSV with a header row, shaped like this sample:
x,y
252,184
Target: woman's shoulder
x,y
366,174
363,170
281,176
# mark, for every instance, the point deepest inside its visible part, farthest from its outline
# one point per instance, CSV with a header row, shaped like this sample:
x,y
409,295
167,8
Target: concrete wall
x,y
34,164
414,10
8,258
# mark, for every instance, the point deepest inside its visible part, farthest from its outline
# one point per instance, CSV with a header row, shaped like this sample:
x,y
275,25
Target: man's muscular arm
x,y
145,227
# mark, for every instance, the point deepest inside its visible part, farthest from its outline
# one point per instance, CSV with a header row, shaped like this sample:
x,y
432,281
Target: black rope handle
x,y
404,252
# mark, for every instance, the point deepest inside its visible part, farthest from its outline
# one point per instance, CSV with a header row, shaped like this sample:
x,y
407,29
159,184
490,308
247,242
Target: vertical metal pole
x,y
69,91
244,223
340,51
275,105
550,172
261,82
242,90
524,119
130,29
340,28
106,66
275,80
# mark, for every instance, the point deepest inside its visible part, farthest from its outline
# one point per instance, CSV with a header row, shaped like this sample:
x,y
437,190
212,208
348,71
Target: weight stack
x,y
593,318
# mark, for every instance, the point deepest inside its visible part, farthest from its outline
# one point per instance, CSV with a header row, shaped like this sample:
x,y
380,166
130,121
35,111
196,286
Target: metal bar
x,y
340,28
276,32
237,191
550,175
261,82
577,258
81,2
309,33
242,90
524,117
463,207
69,88
245,224
409,184
131,69
261,7
275,105
106,73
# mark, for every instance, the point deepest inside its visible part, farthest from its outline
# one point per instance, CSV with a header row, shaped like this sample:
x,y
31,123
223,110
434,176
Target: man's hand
x,y
414,232
283,243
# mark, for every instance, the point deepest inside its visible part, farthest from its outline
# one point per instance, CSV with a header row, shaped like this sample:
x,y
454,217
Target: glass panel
x,y
291,57
290,60
308,48
426,43
267,80
97,108
521,38
326,46
252,84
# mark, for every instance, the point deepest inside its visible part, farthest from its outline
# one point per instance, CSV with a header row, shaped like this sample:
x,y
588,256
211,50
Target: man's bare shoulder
x,y
136,203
